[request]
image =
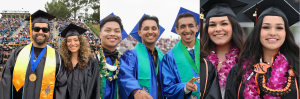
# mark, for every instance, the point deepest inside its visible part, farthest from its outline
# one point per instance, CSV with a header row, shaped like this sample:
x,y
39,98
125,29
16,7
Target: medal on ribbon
x,y
34,63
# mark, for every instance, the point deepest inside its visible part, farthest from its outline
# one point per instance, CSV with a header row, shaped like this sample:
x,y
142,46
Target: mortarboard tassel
x,y
201,25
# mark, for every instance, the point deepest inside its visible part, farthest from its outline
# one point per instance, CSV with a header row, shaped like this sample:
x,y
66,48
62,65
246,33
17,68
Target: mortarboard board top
x,y
183,10
40,17
273,7
216,8
72,30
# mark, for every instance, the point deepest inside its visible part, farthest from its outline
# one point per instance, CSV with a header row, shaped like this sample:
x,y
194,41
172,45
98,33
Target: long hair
x,y
83,54
203,54
237,36
253,50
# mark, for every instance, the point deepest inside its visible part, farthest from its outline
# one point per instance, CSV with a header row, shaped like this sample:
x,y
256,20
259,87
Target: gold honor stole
x,y
48,81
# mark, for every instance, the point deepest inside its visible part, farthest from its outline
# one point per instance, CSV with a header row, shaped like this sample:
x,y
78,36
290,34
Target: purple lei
x,y
231,58
277,81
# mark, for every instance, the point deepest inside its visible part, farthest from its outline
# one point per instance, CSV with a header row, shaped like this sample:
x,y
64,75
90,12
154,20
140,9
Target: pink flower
x,y
276,81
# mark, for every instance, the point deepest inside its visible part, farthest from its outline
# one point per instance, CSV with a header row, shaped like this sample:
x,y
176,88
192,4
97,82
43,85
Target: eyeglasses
x,y
37,29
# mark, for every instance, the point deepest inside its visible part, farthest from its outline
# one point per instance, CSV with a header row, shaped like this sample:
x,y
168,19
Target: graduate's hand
x,y
140,94
190,85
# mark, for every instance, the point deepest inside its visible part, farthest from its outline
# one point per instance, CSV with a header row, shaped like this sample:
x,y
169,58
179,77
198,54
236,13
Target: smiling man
x,y
112,32
140,67
35,71
181,65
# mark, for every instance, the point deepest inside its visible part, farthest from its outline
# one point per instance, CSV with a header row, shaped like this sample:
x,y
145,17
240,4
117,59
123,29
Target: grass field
x,y
96,28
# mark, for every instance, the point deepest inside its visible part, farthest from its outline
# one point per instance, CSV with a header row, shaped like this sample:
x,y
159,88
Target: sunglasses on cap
x,y
37,29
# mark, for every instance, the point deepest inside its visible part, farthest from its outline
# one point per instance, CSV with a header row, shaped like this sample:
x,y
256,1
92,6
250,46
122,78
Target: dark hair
x,y
148,17
183,15
237,36
252,50
111,18
202,53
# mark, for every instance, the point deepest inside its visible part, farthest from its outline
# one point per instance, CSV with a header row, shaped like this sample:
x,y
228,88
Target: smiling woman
x,y
271,47
83,70
223,37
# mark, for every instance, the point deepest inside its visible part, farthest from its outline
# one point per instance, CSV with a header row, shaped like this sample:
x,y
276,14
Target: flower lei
x,y
277,81
231,58
104,69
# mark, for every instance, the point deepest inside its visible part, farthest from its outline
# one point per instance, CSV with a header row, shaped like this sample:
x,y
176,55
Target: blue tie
x,y
192,54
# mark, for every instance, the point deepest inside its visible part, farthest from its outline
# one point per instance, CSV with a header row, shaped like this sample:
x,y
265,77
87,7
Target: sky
x,y
26,5
130,12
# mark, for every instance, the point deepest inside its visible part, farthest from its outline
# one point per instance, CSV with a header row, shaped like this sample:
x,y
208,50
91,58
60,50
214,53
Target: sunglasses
x,y
37,29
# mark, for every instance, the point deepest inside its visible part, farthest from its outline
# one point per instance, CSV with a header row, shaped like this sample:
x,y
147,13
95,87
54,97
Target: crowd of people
x,y
8,27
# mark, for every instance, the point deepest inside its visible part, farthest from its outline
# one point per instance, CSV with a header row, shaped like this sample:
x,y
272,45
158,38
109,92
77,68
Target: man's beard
x,y
40,42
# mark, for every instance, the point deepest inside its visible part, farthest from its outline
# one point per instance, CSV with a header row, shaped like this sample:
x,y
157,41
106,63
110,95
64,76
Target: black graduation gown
x,y
212,87
32,89
84,83
232,87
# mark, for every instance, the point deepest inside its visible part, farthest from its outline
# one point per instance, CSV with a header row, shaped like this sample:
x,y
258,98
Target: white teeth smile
x,y
187,35
150,36
220,35
111,39
272,39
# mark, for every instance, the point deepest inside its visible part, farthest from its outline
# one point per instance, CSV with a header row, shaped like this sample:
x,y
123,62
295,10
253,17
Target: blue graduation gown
x,y
173,86
128,75
110,86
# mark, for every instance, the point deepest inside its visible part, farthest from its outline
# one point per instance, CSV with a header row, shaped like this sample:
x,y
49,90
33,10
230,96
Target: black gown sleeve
x,y
213,87
6,78
232,86
60,91
93,91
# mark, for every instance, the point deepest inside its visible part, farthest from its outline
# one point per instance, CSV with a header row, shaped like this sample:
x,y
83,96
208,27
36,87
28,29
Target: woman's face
x,y
73,43
272,33
220,30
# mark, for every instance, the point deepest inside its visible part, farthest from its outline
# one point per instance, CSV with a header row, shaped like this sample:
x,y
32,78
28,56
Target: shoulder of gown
x,y
211,84
232,86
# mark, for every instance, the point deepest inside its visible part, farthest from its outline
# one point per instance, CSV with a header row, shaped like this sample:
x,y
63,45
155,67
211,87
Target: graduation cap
x,y
216,8
275,8
134,32
124,34
183,10
38,17
72,30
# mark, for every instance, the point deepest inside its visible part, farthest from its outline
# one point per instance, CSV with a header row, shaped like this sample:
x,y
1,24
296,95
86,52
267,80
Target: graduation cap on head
x,y
183,10
134,32
124,34
38,17
275,8
216,8
72,30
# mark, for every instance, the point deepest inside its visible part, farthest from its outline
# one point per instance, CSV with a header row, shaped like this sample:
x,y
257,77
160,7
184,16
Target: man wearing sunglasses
x,y
35,71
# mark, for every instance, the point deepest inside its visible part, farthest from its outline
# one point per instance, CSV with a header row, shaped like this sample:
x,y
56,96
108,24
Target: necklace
x,y
231,58
275,87
104,64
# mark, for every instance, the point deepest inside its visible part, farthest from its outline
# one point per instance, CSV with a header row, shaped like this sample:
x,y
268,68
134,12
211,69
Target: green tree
x,y
76,5
58,9
96,15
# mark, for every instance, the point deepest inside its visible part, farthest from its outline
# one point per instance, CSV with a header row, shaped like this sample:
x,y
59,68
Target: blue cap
x,y
196,15
134,32
124,34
